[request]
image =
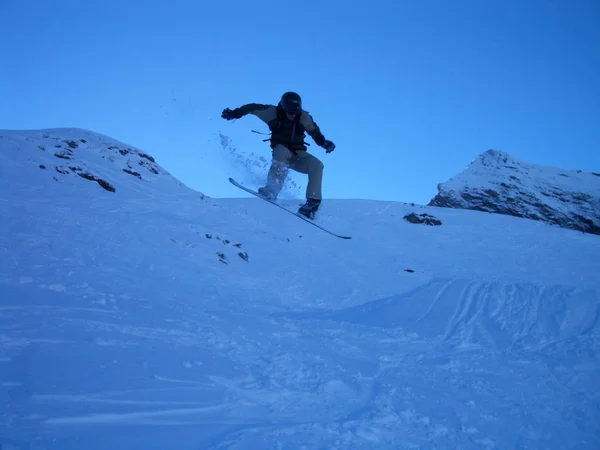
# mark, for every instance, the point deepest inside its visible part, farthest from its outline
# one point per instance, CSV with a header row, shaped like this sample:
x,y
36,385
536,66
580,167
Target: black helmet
x,y
291,102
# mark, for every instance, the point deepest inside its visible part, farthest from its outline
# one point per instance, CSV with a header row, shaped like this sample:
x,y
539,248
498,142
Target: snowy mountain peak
x,y
76,157
491,157
499,183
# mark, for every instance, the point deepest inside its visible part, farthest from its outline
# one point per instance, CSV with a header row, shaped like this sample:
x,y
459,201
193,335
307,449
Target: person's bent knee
x,y
281,153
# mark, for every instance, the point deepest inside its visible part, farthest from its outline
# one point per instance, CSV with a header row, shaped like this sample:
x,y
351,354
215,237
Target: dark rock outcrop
x,y
426,219
497,183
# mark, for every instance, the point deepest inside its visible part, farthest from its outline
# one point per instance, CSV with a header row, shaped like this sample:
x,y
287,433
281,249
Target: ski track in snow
x,y
121,327
453,371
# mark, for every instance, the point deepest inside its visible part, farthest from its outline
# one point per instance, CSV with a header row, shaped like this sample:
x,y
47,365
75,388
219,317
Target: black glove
x,y
328,146
229,114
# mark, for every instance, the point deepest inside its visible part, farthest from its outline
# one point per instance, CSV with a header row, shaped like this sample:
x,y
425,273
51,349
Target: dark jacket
x,y
283,130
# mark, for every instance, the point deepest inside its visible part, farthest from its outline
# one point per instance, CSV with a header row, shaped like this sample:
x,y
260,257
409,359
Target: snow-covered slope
x,y
69,155
153,317
497,182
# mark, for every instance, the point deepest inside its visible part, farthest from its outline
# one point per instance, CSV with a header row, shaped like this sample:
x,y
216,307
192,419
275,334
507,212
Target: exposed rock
x,y
427,219
148,157
131,172
64,154
88,176
71,144
496,182
106,185
150,167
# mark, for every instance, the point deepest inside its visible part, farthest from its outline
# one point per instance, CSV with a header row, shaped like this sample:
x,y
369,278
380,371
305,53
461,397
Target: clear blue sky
x,y
410,91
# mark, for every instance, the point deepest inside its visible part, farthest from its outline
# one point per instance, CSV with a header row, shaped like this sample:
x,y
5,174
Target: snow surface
x,y
154,317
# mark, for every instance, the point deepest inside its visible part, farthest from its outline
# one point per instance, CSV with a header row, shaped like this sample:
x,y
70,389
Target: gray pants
x,y
302,162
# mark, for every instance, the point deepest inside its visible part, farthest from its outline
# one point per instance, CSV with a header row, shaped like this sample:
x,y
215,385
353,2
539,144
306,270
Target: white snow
x,y
129,320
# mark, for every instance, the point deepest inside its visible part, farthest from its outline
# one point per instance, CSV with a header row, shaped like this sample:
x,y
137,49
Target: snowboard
x,y
273,202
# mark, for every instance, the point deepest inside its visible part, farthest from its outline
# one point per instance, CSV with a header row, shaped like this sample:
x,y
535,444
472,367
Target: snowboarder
x,y
287,122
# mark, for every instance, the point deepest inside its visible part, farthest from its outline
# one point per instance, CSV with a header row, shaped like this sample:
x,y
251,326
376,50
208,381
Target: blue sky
x,y
410,92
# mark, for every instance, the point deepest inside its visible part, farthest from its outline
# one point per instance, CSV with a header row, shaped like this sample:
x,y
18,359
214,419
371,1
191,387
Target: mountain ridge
x,y
497,182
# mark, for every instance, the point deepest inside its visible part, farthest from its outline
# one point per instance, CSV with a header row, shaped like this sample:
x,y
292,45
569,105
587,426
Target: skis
x,y
235,183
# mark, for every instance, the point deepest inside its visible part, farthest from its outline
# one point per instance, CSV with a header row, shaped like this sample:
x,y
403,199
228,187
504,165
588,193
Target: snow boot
x,y
310,208
267,193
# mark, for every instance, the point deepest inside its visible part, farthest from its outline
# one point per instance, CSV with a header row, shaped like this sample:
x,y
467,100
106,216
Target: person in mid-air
x,y
288,122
